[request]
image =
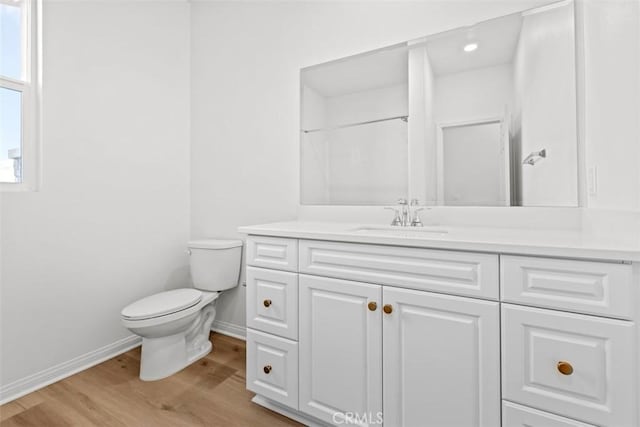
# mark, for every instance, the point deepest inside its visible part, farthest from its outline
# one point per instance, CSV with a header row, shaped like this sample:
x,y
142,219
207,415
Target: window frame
x,y
30,86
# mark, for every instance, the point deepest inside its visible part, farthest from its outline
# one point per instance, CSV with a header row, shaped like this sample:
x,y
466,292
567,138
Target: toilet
x,y
174,325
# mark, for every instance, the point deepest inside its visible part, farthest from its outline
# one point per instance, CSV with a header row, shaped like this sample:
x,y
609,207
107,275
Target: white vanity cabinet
x,y
363,334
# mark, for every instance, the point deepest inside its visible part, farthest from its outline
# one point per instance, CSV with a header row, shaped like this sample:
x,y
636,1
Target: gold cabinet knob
x,y
372,306
267,303
565,368
267,369
387,308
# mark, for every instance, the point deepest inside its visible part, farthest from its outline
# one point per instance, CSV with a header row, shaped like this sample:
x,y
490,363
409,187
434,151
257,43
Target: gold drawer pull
x,y
267,369
387,308
565,368
372,306
267,303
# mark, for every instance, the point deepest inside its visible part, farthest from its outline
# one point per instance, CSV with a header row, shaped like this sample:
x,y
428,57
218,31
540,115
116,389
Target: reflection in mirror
x,y
491,118
494,94
473,167
354,130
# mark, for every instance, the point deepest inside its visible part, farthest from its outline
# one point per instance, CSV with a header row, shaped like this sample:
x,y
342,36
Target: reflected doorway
x,y
473,163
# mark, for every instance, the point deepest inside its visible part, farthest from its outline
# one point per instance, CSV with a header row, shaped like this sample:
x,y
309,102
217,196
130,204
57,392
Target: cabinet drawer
x,y
272,367
582,286
272,252
514,415
272,302
460,273
599,386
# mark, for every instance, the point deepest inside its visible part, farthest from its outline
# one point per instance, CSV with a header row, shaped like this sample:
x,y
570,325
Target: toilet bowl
x,y
174,325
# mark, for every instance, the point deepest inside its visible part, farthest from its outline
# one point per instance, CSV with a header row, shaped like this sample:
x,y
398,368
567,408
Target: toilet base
x,y
164,356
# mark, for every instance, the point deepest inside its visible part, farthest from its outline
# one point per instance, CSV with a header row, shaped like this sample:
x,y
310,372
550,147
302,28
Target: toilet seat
x,y
162,304
207,298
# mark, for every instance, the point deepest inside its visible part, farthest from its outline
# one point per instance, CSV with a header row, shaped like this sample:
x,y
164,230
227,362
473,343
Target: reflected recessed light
x,y
471,47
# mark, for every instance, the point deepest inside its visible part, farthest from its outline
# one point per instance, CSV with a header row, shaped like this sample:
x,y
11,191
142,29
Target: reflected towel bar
x,y
403,118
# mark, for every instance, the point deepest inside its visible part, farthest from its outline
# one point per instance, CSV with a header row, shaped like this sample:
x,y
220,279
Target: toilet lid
x,y
163,303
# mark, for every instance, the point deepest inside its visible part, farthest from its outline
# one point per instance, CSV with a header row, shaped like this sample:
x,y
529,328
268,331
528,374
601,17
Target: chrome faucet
x,y
406,214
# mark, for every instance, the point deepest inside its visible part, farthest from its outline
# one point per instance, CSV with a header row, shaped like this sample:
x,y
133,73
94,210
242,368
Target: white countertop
x,y
554,243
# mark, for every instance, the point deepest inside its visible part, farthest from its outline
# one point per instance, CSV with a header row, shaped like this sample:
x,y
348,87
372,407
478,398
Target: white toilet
x,y
174,325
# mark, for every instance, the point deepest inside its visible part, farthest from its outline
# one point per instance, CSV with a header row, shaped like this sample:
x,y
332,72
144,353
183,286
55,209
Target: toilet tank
x,y
215,264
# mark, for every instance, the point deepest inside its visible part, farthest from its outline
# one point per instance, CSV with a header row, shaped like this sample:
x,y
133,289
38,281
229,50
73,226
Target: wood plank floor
x,y
210,392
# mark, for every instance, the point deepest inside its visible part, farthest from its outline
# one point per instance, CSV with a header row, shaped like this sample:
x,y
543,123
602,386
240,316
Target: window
x,y
19,94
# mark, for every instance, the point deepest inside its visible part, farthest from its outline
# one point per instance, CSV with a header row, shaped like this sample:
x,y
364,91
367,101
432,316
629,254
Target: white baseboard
x,y
51,375
230,329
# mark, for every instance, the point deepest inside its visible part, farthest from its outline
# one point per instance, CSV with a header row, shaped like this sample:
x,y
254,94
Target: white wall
x,y
313,104
476,94
368,164
245,96
371,104
111,220
545,113
612,113
314,149
422,130
365,165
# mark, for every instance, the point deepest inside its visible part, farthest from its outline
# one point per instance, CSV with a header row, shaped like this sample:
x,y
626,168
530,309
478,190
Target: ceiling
x,y
372,70
497,41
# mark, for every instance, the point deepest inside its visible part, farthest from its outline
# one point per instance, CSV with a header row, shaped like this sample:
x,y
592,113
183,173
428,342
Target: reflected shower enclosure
x,y
354,137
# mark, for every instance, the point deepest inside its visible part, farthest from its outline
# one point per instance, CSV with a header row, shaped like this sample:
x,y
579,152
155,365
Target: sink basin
x,y
401,231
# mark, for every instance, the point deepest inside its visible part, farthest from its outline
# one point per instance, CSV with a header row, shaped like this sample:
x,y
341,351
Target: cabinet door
x,y
441,360
340,350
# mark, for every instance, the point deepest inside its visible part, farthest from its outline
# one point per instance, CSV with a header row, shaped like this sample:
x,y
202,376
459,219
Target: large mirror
x,y
477,116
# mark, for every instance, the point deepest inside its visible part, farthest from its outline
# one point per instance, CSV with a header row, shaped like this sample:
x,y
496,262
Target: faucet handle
x,y
415,202
416,221
396,220
402,202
